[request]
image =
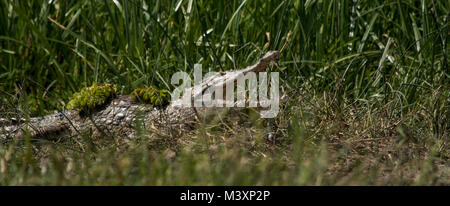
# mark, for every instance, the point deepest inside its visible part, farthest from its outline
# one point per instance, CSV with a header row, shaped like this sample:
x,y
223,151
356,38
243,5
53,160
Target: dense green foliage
x,y
151,95
90,98
375,70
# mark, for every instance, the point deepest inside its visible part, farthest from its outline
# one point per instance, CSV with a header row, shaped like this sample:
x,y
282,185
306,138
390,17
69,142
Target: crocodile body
x,y
120,116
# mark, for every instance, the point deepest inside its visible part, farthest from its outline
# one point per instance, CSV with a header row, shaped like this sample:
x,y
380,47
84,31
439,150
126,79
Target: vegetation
x,y
91,98
151,95
367,84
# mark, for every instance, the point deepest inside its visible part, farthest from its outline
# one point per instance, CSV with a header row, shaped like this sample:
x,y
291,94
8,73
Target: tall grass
x,y
393,68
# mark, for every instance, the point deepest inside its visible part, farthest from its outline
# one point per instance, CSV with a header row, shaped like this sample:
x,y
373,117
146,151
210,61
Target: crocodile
x,y
120,116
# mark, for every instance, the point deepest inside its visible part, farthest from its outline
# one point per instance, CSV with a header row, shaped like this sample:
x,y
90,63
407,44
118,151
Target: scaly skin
x,y
118,117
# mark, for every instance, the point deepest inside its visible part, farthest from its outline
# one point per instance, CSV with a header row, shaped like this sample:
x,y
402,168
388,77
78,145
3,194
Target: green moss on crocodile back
x,y
151,95
90,98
